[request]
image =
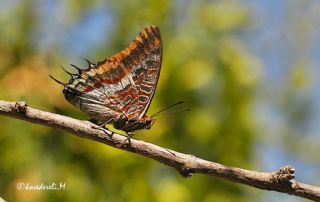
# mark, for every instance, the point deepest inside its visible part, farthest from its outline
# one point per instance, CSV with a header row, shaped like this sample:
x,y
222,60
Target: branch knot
x,y
21,107
284,174
185,171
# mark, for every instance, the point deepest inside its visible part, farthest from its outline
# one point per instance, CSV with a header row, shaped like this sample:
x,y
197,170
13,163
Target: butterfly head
x,y
149,122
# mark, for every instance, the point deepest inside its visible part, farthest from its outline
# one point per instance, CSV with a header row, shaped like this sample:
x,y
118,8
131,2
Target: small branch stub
x,y
21,107
284,175
185,171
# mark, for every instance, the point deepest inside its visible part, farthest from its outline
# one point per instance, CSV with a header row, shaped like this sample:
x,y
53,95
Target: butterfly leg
x,y
101,126
128,139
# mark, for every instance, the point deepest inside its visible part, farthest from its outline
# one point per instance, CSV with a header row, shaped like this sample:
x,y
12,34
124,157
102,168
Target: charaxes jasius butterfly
x,y
119,89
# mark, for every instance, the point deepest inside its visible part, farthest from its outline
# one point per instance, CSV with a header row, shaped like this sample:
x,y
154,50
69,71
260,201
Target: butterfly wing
x,y
122,85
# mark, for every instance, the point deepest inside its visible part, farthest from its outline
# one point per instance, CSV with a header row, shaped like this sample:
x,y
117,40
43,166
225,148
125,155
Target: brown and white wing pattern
x,y
137,69
121,86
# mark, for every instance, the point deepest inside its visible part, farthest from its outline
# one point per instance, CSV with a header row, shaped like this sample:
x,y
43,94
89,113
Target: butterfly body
x,y
119,89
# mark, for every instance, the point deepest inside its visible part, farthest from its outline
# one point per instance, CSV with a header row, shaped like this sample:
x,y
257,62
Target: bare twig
x,y
281,181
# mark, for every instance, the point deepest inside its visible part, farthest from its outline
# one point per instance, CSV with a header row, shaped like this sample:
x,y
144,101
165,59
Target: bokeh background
x,y
249,70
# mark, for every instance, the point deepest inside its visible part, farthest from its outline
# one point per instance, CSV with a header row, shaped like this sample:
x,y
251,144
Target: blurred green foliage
x,y
205,63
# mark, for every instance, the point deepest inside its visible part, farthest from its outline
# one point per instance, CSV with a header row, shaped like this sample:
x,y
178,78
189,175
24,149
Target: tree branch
x,y
281,180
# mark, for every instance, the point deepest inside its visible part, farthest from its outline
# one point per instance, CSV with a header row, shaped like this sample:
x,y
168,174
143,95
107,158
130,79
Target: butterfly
x,y
118,90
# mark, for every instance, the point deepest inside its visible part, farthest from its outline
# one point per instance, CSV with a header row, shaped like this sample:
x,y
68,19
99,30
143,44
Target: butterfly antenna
x,y
177,111
56,80
156,114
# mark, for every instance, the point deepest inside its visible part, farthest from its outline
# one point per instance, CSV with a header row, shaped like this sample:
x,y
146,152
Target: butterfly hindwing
x,y
122,85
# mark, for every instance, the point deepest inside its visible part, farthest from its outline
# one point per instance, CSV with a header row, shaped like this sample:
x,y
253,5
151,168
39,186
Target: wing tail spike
x,y
76,67
59,82
90,64
66,71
